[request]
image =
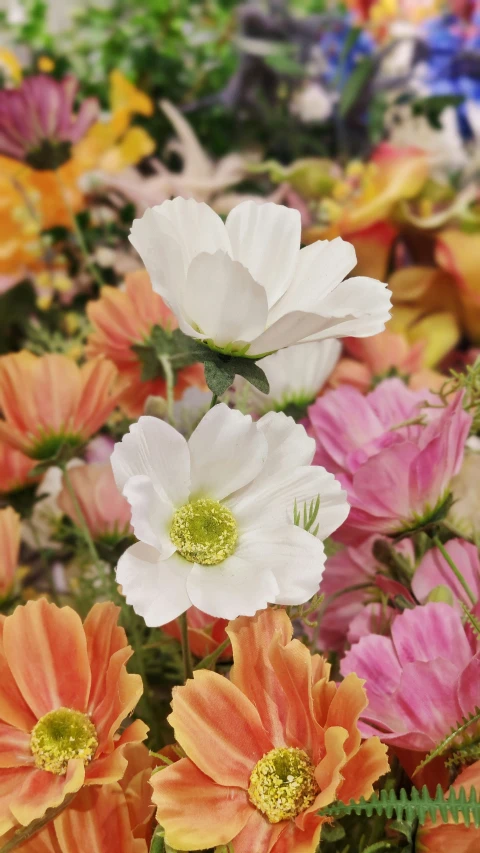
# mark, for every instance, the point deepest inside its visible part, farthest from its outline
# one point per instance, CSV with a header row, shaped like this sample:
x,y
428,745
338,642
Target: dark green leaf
x,y
252,373
433,106
219,375
355,84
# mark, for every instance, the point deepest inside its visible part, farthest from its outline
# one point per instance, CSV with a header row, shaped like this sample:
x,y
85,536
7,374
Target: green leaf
x,y
219,375
433,106
449,741
354,85
252,373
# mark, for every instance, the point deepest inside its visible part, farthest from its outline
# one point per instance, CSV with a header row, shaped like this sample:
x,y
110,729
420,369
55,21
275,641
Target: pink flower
x,y
205,633
419,683
106,511
434,571
396,480
37,121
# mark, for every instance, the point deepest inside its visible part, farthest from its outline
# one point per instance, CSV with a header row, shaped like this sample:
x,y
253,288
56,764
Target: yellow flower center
x,y
204,531
283,784
61,735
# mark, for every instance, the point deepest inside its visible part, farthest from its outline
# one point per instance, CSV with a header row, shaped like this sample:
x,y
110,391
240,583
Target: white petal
x,y
265,238
197,228
227,451
237,587
299,372
288,443
295,557
155,449
156,242
270,501
151,514
156,589
222,299
287,330
358,307
320,267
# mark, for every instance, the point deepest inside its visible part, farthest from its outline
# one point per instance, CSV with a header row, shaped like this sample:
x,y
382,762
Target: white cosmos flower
x,y
245,286
295,375
214,515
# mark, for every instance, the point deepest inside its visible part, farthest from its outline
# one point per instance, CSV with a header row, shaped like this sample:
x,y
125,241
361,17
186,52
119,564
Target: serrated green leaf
x,y
252,373
219,375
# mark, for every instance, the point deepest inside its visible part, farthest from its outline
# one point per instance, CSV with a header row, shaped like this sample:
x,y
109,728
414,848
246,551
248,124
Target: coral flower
x,y
397,477
117,816
48,402
245,286
450,837
266,749
37,122
10,524
205,634
65,693
421,682
104,509
123,319
15,468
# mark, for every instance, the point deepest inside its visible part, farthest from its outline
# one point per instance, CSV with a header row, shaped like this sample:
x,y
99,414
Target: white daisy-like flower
x,y
245,287
295,375
214,515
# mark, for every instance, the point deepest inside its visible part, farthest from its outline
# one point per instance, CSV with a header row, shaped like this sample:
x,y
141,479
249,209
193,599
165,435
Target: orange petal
x,y
13,708
14,747
42,666
41,790
252,671
327,772
258,835
99,822
104,638
369,763
196,812
122,692
347,704
219,728
296,840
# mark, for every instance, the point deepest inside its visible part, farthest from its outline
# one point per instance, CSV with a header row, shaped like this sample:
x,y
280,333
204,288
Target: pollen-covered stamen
x,y
204,531
61,735
282,784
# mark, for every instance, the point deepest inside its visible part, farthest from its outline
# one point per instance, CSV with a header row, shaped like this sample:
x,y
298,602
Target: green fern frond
x,y
472,619
449,741
419,805
467,754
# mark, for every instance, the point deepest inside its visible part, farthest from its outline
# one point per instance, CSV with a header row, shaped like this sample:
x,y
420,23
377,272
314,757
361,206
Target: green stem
x,y
379,845
214,401
79,233
456,571
170,380
206,662
186,654
26,832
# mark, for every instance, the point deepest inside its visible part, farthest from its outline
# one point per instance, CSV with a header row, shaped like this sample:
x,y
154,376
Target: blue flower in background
x,y
452,65
332,45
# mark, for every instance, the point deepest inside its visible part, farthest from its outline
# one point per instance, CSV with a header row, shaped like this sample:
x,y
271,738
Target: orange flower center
x,y
283,784
60,736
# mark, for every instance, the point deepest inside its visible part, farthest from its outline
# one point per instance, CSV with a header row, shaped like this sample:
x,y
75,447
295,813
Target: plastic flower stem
x,y
214,401
186,654
26,832
454,569
79,233
209,660
170,380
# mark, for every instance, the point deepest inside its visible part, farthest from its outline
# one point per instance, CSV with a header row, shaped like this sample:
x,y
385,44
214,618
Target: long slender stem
x,y
214,401
170,381
209,660
26,832
79,233
456,571
186,653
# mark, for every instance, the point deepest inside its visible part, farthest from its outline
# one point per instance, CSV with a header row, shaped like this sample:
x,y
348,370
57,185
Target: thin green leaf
x,y
449,741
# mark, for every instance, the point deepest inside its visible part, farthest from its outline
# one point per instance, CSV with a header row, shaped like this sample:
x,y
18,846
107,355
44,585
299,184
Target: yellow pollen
x,y
61,735
282,784
204,531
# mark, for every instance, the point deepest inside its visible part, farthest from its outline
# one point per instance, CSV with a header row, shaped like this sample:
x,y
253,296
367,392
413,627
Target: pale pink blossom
x,y
105,510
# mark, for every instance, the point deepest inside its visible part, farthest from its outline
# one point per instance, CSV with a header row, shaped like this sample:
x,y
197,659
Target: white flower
x,y
312,103
295,375
245,287
214,515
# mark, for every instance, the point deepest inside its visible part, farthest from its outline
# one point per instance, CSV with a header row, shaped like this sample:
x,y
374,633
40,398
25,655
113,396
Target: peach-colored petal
x,y
258,835
13,708
122,692
51,673
369,763
41,790
104,638
14,747
252,671
111,767
10,523
347,704
99,822
328,771
300,840
194,811
219,728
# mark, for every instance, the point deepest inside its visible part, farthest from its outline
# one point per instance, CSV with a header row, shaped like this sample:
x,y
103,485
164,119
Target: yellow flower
x,y
10,68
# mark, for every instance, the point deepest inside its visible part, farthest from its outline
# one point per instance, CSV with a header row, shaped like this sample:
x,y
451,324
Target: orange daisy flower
x,y
125,318
15,468
65,692
10,525
111,817
451,837
205,633
266,749
105,510
49,402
